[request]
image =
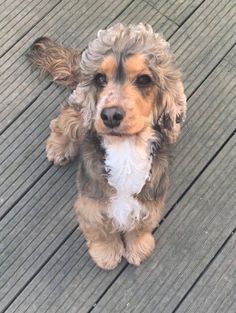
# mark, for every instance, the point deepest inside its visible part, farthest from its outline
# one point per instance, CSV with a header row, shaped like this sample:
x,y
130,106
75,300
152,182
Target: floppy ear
x,y
171,102
60,62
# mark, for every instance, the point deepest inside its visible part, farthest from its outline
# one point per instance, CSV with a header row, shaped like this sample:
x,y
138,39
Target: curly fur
x,y
77,128
60,62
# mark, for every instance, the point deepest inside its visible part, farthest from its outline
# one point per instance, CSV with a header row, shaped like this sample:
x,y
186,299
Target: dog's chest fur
x,y
128,166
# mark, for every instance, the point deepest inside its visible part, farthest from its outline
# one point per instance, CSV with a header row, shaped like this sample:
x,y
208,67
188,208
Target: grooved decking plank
x,y
19,17
215,291
9,7
187,241
178,11
69,281
204,39
39,223
141,11
210,121
22,155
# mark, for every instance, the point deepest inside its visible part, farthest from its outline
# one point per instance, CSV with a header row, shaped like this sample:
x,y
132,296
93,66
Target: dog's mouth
x,y
118,134
114,133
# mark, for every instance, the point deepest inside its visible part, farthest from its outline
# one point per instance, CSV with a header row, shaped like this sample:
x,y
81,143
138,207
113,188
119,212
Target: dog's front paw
x,y
138,247
56,154
107,255
59,148
56,157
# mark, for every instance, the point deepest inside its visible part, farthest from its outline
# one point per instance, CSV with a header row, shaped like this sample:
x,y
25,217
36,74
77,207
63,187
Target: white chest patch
x,y
128,165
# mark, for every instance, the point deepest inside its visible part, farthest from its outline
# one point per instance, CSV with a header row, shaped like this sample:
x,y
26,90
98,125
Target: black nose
x,y
113,116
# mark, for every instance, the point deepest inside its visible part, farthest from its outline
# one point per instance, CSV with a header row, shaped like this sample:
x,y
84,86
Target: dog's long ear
x,y
171,102
61,63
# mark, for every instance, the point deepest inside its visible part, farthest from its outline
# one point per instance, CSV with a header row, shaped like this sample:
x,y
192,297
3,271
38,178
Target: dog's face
x,y
129,82
126,95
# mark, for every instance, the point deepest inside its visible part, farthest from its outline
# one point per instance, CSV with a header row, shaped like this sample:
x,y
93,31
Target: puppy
x,y
122,118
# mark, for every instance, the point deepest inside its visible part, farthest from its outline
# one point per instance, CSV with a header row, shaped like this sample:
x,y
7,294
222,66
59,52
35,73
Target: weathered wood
x,y
208,124
19,17
204,40
141,11
23,157
178,11
215,291
44,219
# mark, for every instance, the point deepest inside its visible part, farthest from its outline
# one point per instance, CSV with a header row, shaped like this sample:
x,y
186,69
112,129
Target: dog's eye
x,y
143,81
100,80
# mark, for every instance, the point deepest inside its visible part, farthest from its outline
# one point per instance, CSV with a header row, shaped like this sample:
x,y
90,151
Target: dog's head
x,y
129,82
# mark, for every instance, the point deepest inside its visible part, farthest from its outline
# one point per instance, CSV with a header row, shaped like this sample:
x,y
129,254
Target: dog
x,y
122,118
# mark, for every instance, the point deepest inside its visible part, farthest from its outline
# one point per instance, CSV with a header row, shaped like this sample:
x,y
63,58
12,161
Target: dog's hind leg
x,y
105,245
60,62
67,131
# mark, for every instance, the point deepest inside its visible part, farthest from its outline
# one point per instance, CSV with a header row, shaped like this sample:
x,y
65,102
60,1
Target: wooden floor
x,y
45,266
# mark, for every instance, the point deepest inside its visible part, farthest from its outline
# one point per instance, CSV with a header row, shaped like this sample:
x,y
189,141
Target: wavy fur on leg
x,y
60,62
105,247
67,132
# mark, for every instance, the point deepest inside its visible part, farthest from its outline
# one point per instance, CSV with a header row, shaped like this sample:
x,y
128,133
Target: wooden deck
x,y
44,263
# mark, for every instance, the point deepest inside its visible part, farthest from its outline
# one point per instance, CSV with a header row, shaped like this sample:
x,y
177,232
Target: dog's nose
x,y
113,116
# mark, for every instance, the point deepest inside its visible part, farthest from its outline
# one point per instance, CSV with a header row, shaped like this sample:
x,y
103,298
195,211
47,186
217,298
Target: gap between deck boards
x,y
205,270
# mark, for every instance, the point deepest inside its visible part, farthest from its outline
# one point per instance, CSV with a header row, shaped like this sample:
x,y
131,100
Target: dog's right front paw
x,y
55,155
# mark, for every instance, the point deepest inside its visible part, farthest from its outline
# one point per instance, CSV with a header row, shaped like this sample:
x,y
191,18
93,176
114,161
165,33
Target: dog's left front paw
x,y
138,247
60,150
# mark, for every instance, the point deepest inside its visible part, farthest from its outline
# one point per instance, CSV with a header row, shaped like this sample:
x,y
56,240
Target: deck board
x,y
18,17
44,264
141,11
177,11
215,291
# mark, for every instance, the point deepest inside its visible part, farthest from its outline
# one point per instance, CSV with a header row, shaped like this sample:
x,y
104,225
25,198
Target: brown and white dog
x,y
122,118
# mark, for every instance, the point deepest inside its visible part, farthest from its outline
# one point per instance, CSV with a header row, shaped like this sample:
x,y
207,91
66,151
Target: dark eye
x,y
143,81
100,80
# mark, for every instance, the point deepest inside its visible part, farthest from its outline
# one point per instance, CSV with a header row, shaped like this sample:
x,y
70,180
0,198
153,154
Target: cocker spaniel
x,y
124,114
